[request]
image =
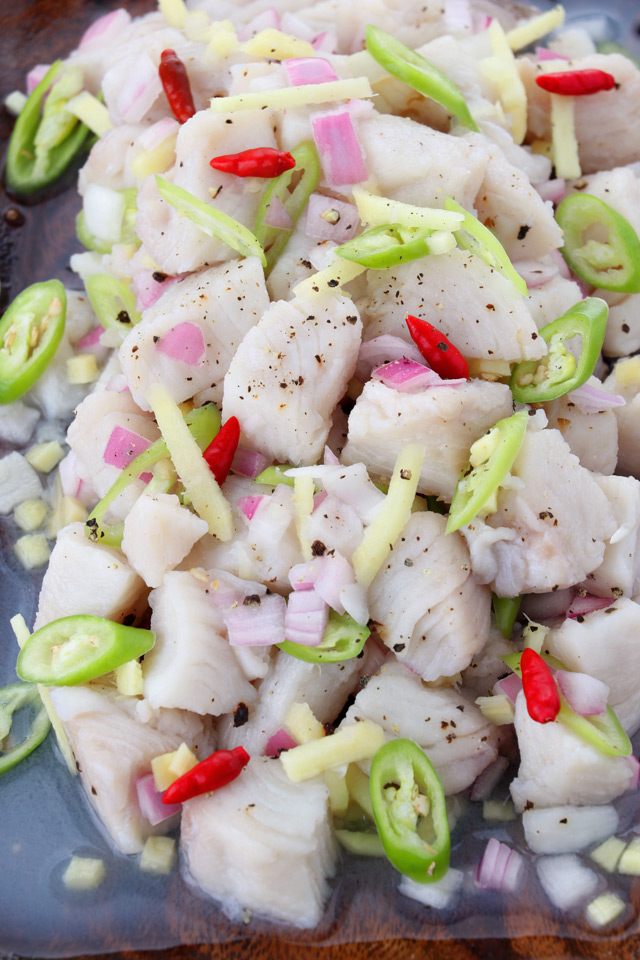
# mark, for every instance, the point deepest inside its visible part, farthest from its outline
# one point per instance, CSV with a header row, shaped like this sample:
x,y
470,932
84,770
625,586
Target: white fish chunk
x,y
558,767
458,740
335,525
488,666
224,303
619,573
624,381
289,373
108,163
479,310
86,577
263,844
448,420
158,534
623,324
192,666
550,528
427,606
552,300
593,437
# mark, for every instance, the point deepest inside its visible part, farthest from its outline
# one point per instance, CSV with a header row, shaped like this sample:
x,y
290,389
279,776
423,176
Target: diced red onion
x,y
148,290
184,342
330,458
335,573
592,399
484,784
306,618
267,20
482,23
35,75
352,485
360,109
318,499
123,446
277,216
581,606
320,228
458,16
635,767
249,505
383,349
407,376
150,801
304,70
353,598
326,42
553,190
118,383
500,867
586,695
302,576
542,53
140,89
158,132
278,742
249,463
76,481
534,273
104,30
338,147
509,686
546,606
92,343
257,624
295,27
562,264
375,654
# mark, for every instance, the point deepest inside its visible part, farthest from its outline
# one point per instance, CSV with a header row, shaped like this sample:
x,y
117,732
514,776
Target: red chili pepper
x,y
261,162
222,449
175,82
540,689
576,83
440,353
216,771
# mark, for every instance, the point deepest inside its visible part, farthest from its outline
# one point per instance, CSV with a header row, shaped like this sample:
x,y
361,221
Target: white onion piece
x,y
277,216
184,343
326,42
306,618
534,273
140,89
437,895
158,132
590,398
335,573
329,459
267,20
338,148
458,17
304,70
383,349
565,880
278,742
546,606
483,785
586,695
500,867
103,212
258,623
561,264
296,27
553,190
353,486
302,576
353,598
150,801
568,829
123,446
581,606
321,228
104,30
76,481
249,463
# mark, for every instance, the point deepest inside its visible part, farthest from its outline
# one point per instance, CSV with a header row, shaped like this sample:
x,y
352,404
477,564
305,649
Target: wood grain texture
x,y
33,31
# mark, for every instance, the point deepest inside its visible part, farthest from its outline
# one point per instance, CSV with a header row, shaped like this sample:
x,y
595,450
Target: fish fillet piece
x,y
619,573
624,381
593,437
158,534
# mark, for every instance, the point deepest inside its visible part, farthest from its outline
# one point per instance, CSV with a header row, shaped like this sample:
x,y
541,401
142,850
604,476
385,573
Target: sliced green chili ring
x,y
204,423
479,240
77,649
387,246
272,476
494,454
25,172
128,234
292,188
416,71
343,639
363,843
19,696
537,381
405,791
213,222
600,245
30,333
113,302
505,610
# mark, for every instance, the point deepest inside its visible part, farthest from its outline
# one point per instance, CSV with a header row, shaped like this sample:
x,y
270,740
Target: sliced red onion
x,y
458,16
482,23
158,132
330,458
534,273
329,219
353,598
278,742
542,53
92,343
383,349
375,654
148,289
581,606
185,342
546,606
509,686
335,573
318,499
257,623
104,30
249,505
140,89
304,70
407,376
150,801
295,27
500,867
267,20
484,784
277,216
35,75
592,399
123,446
326,42
302,576
76,480
338,147
553,190
306,618
249,463
586,695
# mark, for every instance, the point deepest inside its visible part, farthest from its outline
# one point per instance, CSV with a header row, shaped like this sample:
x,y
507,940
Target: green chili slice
x,y
361,842
387,246
272,476
15,697
292,188
343,639
128,234
113,302
417,72
479,240
204,423
213,222
30,332
600,246
536,381
505,610
76,649
490,460
45,141
405,791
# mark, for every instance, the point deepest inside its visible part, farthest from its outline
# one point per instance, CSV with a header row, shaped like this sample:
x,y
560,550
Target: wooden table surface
x,y
33,31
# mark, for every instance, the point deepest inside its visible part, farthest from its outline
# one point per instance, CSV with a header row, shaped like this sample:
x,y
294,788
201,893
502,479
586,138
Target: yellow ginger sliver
x,y
535,29
284,98
357,741
275,45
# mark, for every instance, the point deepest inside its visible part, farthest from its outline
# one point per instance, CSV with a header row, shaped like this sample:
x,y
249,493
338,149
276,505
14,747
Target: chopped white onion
x,y
335,573
257,623
329,219
437,895
565,880
140,89
157,133
591,398
103,212
296,27
306,618
586,695
553,190
329,459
